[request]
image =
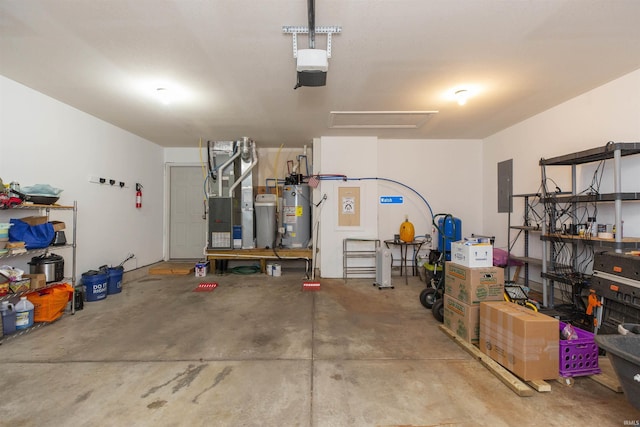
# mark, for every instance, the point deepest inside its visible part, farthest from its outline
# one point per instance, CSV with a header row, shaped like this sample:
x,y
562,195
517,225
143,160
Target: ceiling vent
x,y
378,119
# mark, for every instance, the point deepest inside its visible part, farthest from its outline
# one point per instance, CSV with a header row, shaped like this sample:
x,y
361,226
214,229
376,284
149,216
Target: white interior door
x,y
187,225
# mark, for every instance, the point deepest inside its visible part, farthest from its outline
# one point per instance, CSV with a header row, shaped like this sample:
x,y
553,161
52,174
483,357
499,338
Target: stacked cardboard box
x,y
472,253
465,288
522,340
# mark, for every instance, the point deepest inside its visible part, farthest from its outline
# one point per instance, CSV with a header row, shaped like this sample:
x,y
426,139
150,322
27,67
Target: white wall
x,y
353,157
446,173
608,113
45,141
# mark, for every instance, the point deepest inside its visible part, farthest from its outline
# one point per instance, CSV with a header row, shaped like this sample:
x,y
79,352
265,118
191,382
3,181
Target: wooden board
x,y
540,386
260,254
173,268
607,377
503,374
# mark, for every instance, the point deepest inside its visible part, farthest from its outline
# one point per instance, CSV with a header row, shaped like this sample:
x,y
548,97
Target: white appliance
x,y
383,268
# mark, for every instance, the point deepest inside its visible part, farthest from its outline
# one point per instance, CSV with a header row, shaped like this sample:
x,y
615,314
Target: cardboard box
x,y
522,340
472,254
38,281
34,220
462,319
202,268
474,285
57,225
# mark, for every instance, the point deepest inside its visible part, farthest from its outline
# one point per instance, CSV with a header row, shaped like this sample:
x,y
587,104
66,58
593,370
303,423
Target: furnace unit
x,y
230,193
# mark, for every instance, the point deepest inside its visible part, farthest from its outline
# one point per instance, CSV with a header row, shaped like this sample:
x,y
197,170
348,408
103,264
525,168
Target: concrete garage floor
x,y
258,351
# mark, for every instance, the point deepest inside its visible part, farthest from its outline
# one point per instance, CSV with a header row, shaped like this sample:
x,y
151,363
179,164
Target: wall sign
x,y
391,200
349,206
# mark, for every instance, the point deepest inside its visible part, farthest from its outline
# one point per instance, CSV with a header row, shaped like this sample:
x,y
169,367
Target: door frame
x,y
166,226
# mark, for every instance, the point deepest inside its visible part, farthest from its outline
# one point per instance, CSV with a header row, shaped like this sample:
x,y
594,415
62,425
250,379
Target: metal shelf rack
x,y
47,210
362,250
525,229
552,237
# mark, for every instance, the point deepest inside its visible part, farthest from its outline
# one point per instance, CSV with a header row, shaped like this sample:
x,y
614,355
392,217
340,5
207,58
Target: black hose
x,y
209,157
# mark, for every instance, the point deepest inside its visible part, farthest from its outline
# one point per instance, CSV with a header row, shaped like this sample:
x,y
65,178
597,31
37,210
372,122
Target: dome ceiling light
x,y
462,96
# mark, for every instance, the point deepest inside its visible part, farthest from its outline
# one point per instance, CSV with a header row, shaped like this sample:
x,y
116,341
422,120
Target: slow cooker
x,y
51,265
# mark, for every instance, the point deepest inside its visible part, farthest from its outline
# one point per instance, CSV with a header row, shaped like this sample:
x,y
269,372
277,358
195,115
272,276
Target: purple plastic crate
x,y
578,357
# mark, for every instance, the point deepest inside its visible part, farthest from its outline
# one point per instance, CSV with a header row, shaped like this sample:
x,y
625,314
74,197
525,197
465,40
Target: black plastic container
x,y
624,353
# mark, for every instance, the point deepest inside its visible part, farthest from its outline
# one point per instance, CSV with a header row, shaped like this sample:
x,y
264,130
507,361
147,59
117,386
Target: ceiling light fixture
x,y
164,95
462,96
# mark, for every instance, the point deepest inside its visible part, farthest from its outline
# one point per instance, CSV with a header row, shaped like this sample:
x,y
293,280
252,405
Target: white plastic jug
x,y
24,314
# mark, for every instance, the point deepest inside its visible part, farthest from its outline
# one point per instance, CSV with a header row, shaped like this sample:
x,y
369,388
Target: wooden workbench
x,y
260,254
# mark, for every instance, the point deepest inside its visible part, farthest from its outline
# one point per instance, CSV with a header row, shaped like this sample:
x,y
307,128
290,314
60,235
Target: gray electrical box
x,y
505,186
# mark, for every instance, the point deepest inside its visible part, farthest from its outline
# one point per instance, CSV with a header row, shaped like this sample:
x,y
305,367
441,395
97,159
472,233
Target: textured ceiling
x,y
234,72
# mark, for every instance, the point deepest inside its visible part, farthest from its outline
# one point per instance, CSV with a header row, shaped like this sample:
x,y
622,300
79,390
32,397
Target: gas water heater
x,y
296,216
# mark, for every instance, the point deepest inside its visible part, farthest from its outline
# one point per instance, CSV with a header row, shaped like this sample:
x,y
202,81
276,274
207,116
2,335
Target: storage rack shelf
x,y
526,259
47,210
15,295
587,198
594,154
35,251
551,271
525,229
363,250
22,332
563,278
625,242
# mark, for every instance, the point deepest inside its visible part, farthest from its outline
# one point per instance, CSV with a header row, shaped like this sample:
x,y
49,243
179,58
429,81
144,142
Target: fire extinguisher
x,y
138,195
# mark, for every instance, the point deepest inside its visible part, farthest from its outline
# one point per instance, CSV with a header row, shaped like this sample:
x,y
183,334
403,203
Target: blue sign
x,y
391,200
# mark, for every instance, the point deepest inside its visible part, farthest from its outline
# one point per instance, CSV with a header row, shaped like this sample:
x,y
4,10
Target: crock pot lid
x,y
46,258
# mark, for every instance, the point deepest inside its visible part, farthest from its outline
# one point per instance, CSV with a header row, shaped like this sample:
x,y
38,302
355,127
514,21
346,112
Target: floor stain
x,y
188,377
84,396
262,339
150,279
221,376
350,380
353,300
182,379
157,404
